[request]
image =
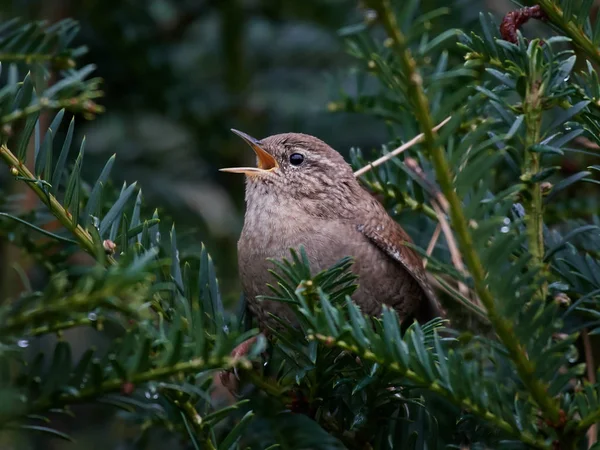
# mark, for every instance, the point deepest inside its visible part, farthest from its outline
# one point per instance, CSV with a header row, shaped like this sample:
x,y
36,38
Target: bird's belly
x,y
381,280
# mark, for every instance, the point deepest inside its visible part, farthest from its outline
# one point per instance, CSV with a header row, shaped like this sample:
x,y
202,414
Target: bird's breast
x,y
271,233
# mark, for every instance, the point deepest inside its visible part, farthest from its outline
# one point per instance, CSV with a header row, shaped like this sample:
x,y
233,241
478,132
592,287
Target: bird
x,y
303,193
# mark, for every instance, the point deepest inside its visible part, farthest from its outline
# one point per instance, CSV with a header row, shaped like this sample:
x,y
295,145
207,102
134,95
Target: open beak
x,y
266,162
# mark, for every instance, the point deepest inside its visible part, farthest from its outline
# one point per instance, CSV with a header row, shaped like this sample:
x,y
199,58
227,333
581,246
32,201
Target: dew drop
x,y
96,222
504,230
151,393
23,343
506,221
370,15
92,316
572,354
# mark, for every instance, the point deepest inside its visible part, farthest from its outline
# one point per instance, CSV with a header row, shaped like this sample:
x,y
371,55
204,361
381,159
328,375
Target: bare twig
x,y
398,151
432,242
440,206
453,249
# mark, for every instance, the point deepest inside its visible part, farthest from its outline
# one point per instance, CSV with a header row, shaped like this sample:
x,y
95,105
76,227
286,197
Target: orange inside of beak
x,y
266,162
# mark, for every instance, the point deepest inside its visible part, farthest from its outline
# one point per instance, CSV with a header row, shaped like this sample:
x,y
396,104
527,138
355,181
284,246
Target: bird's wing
x,y
388,235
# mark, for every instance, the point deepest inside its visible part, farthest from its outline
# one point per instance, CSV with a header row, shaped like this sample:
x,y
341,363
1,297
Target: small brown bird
x,y
302,192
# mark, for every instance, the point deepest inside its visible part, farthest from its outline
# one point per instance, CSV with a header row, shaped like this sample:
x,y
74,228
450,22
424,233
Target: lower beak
x,y
266,162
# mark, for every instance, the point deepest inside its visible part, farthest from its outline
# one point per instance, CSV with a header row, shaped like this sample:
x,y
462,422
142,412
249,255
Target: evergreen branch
x,y
40,42
556,16
526,369
193,417
83,238
436,388
67,304
415,205
80,103
60,326
403,199
534,217
59,61
115,385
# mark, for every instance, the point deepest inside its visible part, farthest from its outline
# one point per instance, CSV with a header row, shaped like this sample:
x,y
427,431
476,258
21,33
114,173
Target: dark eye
x,y
296,159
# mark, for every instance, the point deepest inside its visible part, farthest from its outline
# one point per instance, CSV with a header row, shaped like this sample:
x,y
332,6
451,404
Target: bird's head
x,y
297,166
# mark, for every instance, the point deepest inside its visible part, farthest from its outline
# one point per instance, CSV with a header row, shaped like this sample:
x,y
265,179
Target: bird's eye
x,y
296,159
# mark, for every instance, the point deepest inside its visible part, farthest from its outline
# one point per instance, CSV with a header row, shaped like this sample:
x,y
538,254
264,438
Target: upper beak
x,y
266,162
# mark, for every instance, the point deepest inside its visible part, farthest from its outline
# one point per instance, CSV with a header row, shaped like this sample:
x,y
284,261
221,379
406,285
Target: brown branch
x,y
434,238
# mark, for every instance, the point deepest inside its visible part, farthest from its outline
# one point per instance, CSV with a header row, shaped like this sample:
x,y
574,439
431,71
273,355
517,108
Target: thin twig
x,y
440,206
114,384
432,242
453,249
417,139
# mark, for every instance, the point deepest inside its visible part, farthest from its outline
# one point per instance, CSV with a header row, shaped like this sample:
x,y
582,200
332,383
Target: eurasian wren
x,y
302,192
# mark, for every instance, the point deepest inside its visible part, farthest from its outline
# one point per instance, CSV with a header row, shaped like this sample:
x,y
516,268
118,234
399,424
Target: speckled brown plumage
x,y
319,204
